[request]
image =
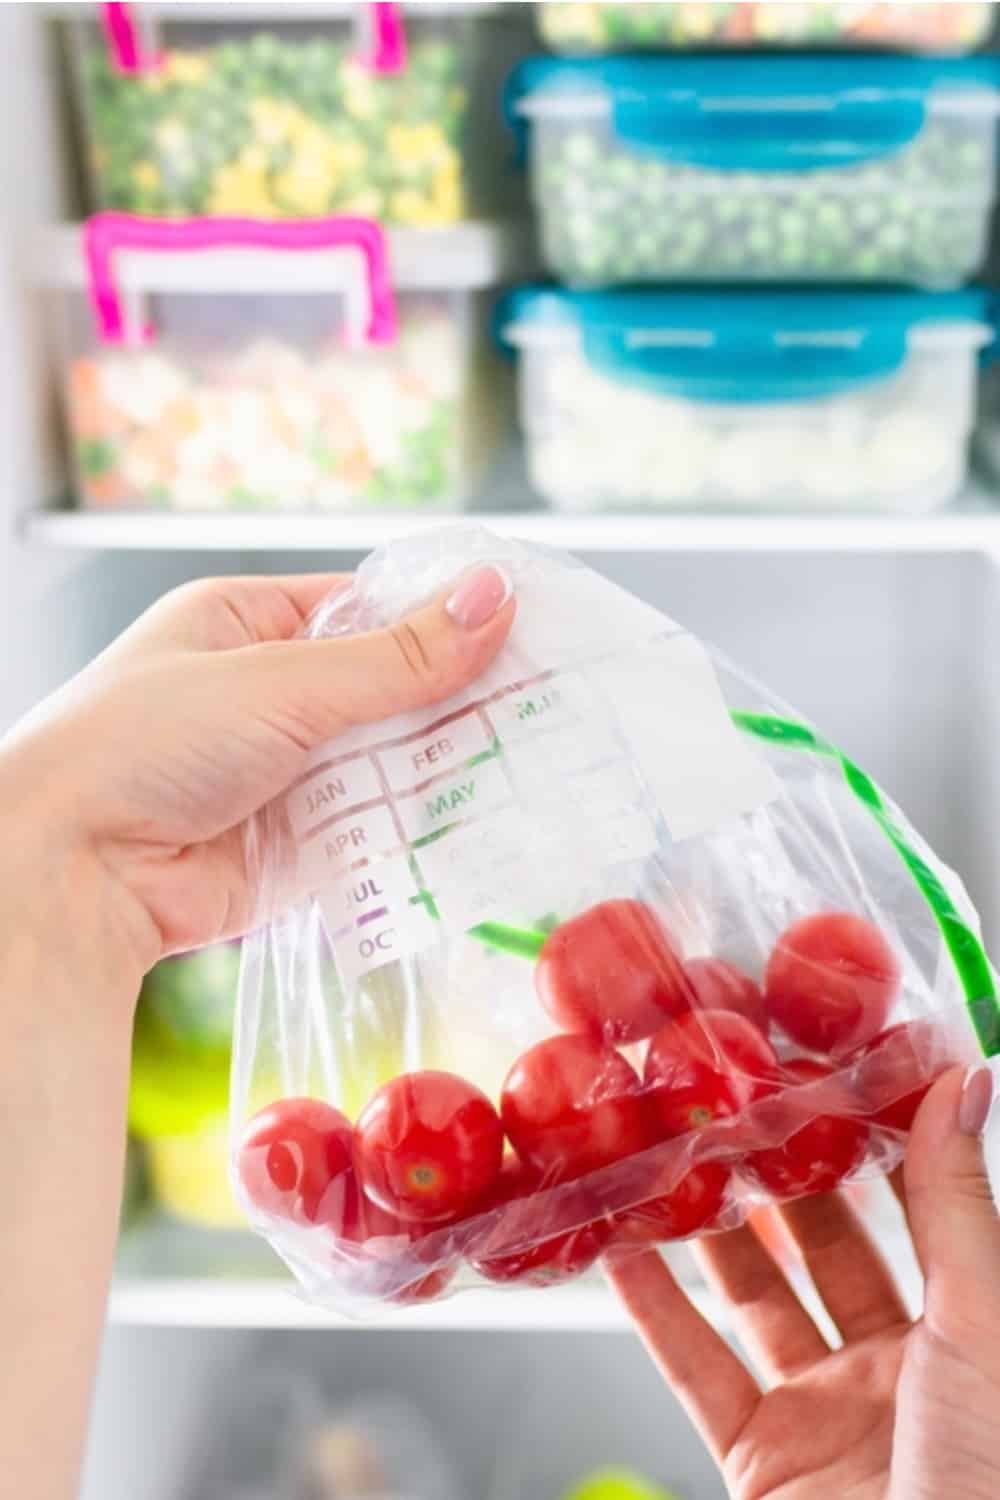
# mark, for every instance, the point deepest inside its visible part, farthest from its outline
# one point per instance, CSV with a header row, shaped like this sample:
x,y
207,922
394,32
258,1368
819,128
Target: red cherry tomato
x,y
612,972
538,1262
706,1066
571,1105
364,1233
427,1289
427,1146
295,1159
718,985
888,1065
831,981
692,1204
818,1155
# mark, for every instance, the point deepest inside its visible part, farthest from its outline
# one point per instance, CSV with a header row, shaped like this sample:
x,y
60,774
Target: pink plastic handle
x,y
121,33
107,233
122,37
390,38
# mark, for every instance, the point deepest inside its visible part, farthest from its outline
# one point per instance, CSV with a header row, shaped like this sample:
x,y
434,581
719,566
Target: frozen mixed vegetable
x,y
274,423
278,125
610,213
569,26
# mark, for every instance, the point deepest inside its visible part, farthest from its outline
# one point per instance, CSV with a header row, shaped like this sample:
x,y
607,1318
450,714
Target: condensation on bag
x,y
602,953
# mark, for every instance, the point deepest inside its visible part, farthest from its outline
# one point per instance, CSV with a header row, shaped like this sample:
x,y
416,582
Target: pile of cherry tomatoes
x,y
433,1174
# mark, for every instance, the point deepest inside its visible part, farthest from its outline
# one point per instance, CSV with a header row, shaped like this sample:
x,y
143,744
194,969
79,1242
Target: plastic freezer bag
x,y
601,953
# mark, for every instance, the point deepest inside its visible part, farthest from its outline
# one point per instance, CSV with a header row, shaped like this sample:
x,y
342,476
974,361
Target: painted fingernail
x,y
974,1103
479,597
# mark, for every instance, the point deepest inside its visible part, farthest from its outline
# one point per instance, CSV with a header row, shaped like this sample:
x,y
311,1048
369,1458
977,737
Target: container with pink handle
x,y
296,110
236,363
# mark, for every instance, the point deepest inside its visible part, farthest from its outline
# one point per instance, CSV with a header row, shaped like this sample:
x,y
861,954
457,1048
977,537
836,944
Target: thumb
x,y
953,1218
320,687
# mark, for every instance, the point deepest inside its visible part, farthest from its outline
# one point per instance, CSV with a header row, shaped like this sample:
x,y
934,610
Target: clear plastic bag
x,y
604,952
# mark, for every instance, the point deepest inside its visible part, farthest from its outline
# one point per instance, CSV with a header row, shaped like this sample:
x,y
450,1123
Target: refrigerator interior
x,y
892,654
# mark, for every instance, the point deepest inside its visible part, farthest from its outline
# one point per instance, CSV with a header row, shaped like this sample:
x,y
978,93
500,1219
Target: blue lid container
x,y
749,346
834,168
779,398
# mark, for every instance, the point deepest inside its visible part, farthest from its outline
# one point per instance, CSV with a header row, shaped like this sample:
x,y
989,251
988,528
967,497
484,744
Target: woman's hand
x,y
904,1410
123,802
150,762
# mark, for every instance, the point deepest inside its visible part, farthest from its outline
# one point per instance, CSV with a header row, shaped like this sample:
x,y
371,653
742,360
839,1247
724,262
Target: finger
x,y
846,1265
778,1332
953,1219
222,614
712,1384
897,1182
318,688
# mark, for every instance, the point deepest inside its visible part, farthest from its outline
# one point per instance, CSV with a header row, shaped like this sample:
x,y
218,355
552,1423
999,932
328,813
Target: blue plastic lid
x,y
828,111
772,345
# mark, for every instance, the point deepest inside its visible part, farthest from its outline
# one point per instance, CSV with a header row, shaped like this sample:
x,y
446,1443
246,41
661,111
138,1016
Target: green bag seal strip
x,y
967,953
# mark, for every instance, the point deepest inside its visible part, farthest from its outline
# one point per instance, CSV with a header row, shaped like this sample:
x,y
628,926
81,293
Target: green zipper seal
x,y
967,953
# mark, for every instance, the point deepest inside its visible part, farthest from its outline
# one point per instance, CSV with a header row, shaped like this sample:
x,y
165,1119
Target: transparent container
x,y
986,444
294,110
794,169
281,369
579,28
825,401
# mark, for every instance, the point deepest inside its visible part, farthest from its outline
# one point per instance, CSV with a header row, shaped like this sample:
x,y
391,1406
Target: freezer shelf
x,y
169,1276
972,526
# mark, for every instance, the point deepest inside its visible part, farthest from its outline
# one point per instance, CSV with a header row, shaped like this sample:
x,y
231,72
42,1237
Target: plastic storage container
x,y
282,370
832,169
380,110
589,28
735,399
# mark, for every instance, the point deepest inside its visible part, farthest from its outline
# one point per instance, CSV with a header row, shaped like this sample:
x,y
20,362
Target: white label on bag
x,y
503,869
521,793
371,919
584,616
468,794
701,771
428,754
358,837
558,703
331,791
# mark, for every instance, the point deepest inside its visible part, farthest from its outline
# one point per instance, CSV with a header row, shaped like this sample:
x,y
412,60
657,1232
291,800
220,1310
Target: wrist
x,y
61,910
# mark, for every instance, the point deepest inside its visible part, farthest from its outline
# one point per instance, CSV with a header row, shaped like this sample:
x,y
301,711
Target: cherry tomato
x,y
690,1205
571,1105
818,1155
612,972
356,1219
706,1066
364,1233
427,1289
719,985
831,981
427,1146
295,1159
890,1064
543,1262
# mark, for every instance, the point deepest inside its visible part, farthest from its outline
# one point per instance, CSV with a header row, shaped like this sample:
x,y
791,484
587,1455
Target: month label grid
x,y
466,812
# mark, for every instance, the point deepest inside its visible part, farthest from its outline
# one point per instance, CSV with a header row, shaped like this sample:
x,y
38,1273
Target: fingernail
x,y
974,1103
479,597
